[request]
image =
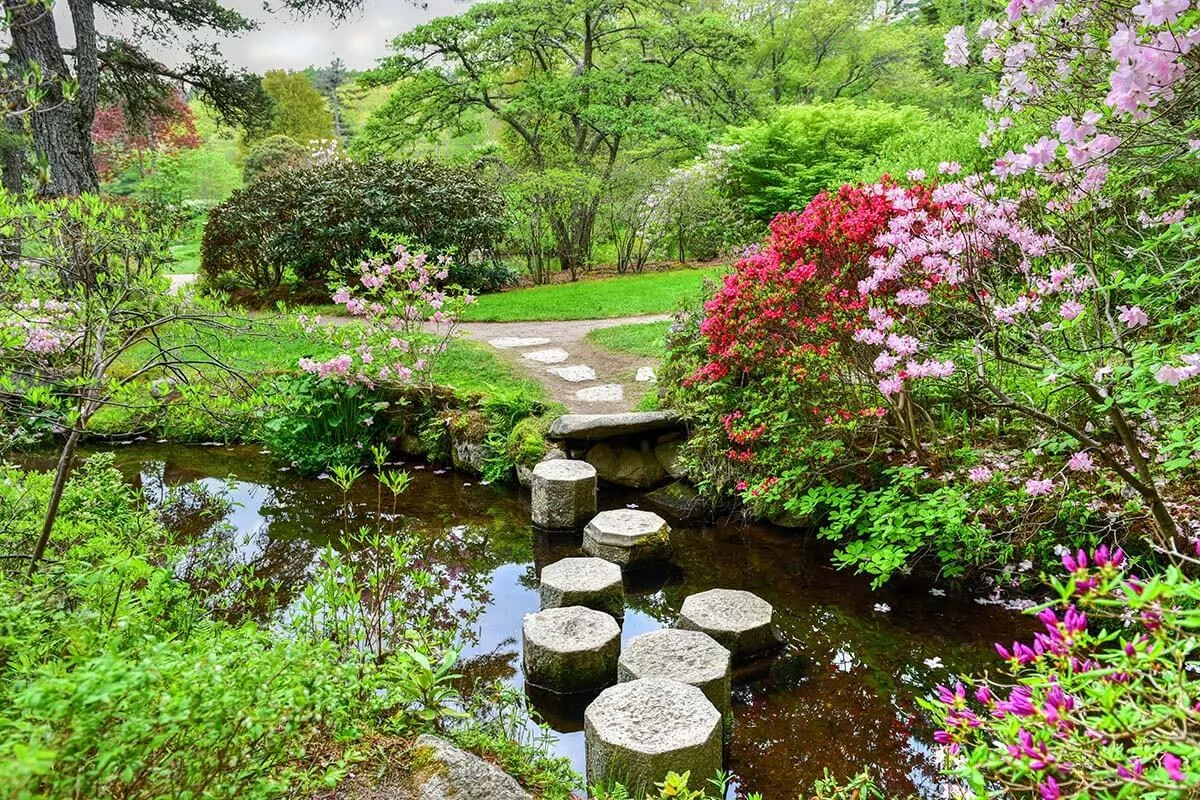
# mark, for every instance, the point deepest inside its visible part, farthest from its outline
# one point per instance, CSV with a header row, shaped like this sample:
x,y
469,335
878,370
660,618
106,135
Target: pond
x,y
840,696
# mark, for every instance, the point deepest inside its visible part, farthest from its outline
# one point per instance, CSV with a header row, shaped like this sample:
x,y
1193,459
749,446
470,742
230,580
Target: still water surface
x,y
841,696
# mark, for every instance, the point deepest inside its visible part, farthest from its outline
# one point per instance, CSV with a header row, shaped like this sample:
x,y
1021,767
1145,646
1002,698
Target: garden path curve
x,y
581,376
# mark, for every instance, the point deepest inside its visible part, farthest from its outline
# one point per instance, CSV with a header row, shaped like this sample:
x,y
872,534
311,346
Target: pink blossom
x,y
949,168
1081,462
1070,309
1036,488
915,175
980,474
1160,12
1133,316
891,385
956,54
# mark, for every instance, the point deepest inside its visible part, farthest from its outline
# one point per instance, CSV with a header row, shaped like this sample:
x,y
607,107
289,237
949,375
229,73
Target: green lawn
x,y
639,338
630,295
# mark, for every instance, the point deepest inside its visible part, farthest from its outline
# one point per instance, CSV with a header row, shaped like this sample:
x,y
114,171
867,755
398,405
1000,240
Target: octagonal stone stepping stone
x,y
740,621
628,537
637,732
576,373
564,494
553,355
571,649
604,393
689,657
509,342
589,582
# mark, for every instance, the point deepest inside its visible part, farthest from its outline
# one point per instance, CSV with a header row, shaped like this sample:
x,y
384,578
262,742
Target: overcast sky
x,y
285,42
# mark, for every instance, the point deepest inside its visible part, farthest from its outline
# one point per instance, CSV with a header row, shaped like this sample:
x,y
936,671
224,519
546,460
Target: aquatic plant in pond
x,y
1103,704
406,316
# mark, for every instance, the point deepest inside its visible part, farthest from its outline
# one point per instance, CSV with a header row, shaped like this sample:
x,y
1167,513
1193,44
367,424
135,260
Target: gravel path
x,y
584,378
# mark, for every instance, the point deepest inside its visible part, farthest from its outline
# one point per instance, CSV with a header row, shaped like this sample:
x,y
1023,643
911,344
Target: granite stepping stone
x,y
637,732
629,537
574,374
740,621
564,494
570,649
604,393
553,355
689,657
509,342
589,582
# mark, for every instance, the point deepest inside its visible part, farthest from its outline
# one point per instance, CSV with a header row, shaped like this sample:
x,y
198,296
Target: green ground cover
x,y
631,295
637,338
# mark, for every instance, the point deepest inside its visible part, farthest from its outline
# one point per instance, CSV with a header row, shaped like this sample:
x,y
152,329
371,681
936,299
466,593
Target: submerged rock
x,y
450,773
681,501
632,465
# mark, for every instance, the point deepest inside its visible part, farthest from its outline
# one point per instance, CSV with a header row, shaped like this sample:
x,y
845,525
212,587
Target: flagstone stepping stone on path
x,y
553,355
507,342
574,374
604,393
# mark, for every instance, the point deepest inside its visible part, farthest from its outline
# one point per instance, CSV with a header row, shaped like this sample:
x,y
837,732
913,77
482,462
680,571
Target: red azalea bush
x,y
777,361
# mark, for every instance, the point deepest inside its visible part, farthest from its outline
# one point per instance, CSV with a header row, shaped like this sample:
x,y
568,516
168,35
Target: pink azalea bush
x,y
405,316
1103,703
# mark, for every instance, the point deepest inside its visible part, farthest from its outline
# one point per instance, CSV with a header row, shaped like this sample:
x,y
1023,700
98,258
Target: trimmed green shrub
x,y
306,221
272,154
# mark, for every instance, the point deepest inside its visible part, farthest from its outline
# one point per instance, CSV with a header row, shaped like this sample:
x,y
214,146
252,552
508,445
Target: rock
x,y
449,773
646,375
787,519
553,355
604,393
564,494
576,373
742,622
589,582
637,732
681,501
467,456
667,454
411,445
525,474
689,657
571,649
594,427
626,465
628,537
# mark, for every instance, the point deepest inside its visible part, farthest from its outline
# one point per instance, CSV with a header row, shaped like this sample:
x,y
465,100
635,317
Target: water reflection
x,y
840,696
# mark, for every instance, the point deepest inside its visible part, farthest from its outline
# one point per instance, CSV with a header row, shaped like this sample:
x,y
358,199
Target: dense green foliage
x,y
274,153
328,216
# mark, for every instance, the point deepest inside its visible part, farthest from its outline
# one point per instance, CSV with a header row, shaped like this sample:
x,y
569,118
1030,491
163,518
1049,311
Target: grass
x,y
631,295
185,258
637,338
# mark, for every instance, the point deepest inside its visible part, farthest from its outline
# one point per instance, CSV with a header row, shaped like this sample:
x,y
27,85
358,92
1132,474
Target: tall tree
x,y
576,84
55,81
329,80
298,109
119,141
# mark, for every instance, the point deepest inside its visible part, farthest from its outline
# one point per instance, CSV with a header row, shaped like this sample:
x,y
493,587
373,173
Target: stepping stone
x,y
604,426
552,356
508,342
646,375
574,374
605,393
689,657
571,649
589,582
629,537
458,774
741,622
564,494
637,732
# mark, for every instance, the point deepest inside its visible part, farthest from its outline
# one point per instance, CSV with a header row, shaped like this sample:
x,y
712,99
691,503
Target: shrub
x,y
278,152
783,163
1101,705
307,221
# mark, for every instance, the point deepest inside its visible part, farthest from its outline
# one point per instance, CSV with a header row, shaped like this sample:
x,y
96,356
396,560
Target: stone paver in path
x,y
576,373
646,375
604,393
553,355
508,342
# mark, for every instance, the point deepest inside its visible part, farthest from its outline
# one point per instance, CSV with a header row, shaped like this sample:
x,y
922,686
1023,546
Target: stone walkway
x,y
584,378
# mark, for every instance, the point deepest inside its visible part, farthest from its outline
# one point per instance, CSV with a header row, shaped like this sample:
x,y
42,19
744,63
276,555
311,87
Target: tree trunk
x,y
56,492
61,129
12,156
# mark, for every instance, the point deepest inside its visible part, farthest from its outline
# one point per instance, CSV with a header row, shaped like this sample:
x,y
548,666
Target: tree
x,y
271,154
56,81
575,85
119,141
298,109
329,80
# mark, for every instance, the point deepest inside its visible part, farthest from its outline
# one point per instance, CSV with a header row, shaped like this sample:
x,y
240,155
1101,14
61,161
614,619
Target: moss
x,y
527,441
